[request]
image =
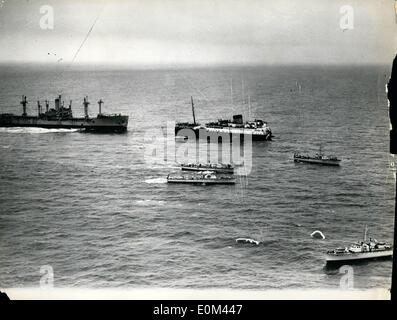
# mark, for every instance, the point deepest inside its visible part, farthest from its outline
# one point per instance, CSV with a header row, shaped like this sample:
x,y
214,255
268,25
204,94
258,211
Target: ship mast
x,y
231,90
100,106
86,103
365,233
242,90
194,116
23,103
249,107
38,108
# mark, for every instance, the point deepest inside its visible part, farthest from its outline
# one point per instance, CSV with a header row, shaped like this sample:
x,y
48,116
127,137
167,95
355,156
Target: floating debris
x,y
318,235
248,240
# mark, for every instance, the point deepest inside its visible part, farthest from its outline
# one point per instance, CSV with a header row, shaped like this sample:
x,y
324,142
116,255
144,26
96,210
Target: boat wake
x,y
156,180
36,130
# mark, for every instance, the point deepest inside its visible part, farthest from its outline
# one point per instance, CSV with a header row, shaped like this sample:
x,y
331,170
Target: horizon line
x,y
148,66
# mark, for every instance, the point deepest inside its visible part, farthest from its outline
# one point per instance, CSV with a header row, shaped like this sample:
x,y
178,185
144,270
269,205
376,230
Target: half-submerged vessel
x,y
214,167
318,158
204,178
258,130
61,117
361,250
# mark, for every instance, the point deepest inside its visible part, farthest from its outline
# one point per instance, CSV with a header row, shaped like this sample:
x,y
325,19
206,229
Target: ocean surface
x,y
97,209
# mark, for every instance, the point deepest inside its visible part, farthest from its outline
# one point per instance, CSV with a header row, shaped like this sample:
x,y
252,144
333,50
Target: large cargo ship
x,y
257,130
61,117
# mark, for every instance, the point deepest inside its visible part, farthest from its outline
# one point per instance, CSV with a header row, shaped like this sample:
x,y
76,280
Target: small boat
x,y
204,178
214,167
318,158
362,250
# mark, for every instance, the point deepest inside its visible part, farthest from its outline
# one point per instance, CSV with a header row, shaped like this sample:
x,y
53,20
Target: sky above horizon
x,y
198,32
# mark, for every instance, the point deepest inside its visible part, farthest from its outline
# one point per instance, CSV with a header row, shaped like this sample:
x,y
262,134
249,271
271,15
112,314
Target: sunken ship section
x,y
61,117
258,130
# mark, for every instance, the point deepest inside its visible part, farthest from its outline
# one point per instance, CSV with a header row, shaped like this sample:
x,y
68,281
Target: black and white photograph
x,y
186,149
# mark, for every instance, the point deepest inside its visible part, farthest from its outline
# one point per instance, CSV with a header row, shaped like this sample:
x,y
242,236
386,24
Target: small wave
x,y
149,202
156,180
35,130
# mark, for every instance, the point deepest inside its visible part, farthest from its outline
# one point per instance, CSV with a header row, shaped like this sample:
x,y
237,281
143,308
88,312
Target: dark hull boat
x,y
214,167
314,160
62,118
319,159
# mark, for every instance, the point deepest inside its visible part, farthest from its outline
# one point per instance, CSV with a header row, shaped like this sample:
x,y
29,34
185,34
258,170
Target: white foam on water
x,y
156,180
248,240
149,202
35,130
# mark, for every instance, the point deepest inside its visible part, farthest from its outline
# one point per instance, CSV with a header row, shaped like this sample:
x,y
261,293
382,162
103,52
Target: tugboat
x,y
258,130
319,158
215,167
204,178
362,250
61,117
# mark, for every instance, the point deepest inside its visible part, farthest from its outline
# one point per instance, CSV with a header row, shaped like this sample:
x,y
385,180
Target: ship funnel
x,y
47,105
57,103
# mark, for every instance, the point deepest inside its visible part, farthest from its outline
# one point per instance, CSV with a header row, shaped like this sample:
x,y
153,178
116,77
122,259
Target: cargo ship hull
x,y
100,124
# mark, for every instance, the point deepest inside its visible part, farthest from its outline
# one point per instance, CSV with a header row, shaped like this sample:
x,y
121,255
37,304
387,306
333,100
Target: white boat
x,y
363,250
